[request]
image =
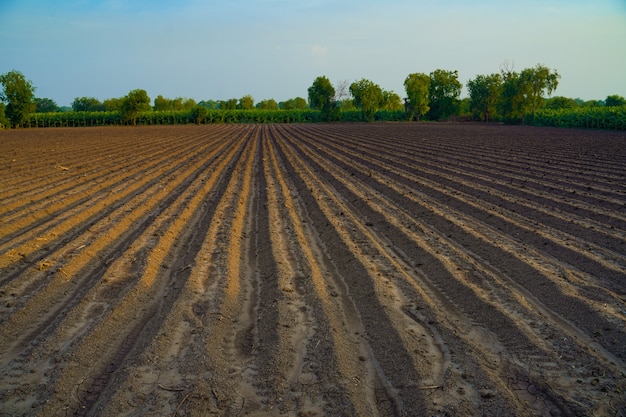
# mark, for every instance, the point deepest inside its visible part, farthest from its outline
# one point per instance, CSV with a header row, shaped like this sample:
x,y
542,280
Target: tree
x,y
293,103
161,103
199,114
3,120
615,101
511,101
134,102
535,82
230,104
209,104
321,96
444,93
391,101
46,105
417,87
113,104
522,93
19,95
87,104
269,104
368,96
164,104
246,102
484,91
560,102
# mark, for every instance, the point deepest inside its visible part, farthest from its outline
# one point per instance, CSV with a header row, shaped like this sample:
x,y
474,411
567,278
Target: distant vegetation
x,y
507,96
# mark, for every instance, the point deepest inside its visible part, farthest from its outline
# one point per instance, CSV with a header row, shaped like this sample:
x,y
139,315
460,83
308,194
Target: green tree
x,y
511,103
19,95
560,102
297,103
46,105
444,93
535,83
87,104
3,120
161,103
368,96
322,97
230,104
614,101
522,93
134,102
269,104
391,101
484,91
113,104
246,102
209,104
199,114
417,87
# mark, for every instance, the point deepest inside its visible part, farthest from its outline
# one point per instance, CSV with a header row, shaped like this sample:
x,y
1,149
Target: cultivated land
x,y
319,269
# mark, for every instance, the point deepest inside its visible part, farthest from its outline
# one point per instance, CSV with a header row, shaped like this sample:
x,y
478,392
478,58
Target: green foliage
x,y
4,122
162,104
46,105
615,101
484,91
601,117
269,104
417,87
536,82
209,104
444,93
19,95
230,104
368,96
321,97
293,103
246,102
199,114
87,104
133,103
392,101
560,102
523,93
113,104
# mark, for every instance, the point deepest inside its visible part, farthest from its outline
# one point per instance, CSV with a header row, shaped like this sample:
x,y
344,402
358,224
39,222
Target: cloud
x,y
319,51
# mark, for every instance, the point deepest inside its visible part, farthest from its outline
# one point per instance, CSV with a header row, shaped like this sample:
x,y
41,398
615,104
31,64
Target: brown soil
x,y
309,270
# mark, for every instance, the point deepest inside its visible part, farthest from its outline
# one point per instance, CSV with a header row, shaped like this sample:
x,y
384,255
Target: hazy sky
x,y
205,49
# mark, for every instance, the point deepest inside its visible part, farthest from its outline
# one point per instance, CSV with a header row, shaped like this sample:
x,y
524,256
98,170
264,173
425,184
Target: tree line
x,y
509,96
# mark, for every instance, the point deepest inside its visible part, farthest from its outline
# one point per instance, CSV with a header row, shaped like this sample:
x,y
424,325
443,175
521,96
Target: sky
x,y
207,49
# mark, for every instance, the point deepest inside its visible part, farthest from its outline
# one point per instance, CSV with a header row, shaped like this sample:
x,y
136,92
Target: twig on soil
x,y
170,388
62,168
430,387
181,404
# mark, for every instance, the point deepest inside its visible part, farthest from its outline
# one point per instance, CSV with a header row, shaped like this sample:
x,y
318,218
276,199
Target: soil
x,y
393,269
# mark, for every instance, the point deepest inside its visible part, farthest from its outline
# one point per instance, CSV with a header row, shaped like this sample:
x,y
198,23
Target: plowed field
x,y
309,270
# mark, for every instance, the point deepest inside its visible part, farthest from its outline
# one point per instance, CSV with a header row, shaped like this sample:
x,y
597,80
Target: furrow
x,y
611,264
597,312
100,150
305,273
48,208
177,364
75,272
369,283
143,305
485,283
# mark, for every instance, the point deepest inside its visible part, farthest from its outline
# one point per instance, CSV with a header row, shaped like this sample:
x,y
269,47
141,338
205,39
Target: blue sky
x,y
275,48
